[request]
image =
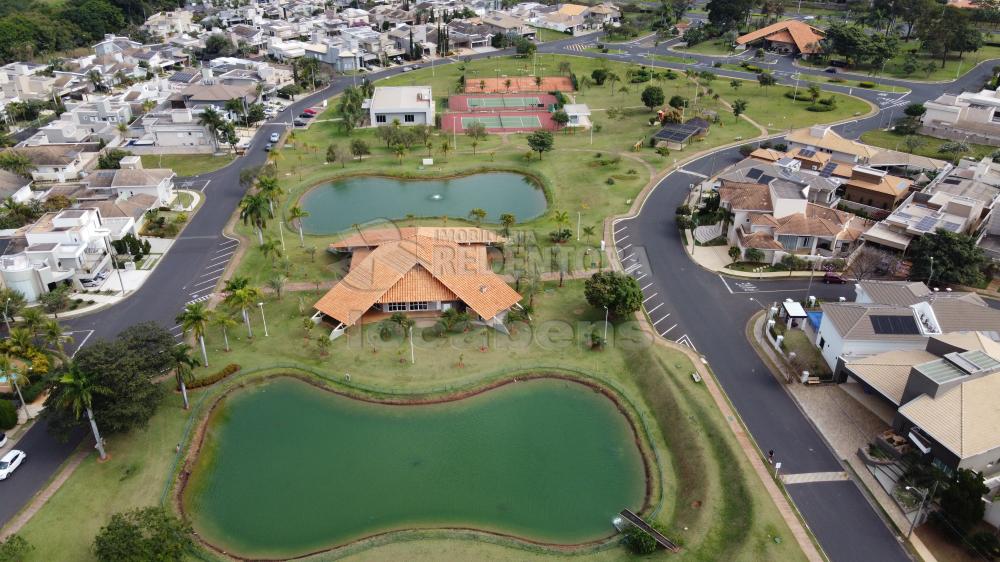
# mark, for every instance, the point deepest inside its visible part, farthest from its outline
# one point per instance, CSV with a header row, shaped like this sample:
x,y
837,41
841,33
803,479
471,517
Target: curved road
x,y
692,306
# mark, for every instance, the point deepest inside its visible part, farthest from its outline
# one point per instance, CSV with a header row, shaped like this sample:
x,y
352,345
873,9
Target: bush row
x,y
216,377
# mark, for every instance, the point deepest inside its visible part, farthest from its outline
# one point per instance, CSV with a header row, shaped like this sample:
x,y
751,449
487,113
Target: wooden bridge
x,y
657,536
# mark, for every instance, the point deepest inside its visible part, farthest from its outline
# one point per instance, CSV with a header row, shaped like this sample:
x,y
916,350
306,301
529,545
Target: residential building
x,y
171,129
410,105
65,247
875,188
15,186
59,162
926,212
21,81
132,180
94,120
252,37
967,117
789,37
420,271
213,94
889,315
500,23
579,115
772,213
824,139
944,395
168,24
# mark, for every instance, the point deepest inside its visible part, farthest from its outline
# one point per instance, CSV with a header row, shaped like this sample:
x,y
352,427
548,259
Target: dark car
x,y
306,115
268,147
835,278
300,123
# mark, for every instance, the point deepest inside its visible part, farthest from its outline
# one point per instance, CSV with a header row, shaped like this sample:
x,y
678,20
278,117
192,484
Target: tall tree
x,y
78,393
224,321
150,533
183,365
194,319
255,210
947,257
244,299
541,141
297,213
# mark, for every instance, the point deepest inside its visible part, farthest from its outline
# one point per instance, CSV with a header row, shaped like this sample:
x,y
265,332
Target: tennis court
x,y
518,84
499,122
499,102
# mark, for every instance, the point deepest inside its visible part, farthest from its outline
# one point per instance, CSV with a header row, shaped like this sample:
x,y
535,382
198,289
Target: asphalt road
x,y
692,306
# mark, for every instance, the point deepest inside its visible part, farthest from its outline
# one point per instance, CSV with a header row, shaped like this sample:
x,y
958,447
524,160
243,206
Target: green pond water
x,y
289,469
335,206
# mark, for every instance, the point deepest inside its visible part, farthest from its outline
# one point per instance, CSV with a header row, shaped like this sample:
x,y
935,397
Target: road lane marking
x,y
683,171
650,311
811,477
723,279
649,297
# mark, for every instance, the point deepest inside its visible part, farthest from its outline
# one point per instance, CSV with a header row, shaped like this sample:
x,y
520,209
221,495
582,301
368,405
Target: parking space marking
x,y
640,277
630,256
649,297
661,319
622,239
214,271
625,248
648,285
652,310
213,280
685,340
632,268
620,229
222,257
667,331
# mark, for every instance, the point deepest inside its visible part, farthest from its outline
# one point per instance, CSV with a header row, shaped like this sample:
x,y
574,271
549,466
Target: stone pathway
x,y
710,232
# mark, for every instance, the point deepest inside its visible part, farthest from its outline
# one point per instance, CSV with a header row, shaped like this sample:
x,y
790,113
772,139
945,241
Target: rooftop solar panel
x,y
951,226
894,325
807,153
926,224
765,179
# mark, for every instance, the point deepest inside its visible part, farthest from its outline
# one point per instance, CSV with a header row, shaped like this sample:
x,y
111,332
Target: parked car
x,y
300,123
407,68
835,278
310,111
10,462
268,147
305,115
3,439
275,137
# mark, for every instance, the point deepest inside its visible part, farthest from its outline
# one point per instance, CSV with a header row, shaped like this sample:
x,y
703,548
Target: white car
x,y
10,462
274,137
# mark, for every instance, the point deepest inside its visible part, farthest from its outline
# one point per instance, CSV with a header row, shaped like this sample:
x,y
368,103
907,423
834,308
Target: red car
x,y
831,277
310,111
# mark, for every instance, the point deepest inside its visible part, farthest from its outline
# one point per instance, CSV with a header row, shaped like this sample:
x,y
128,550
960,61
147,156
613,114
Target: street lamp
x,y
605,324
262,319
6,318
923,502
931,274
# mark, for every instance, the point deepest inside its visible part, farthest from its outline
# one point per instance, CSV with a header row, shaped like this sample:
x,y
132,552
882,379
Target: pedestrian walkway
x,y
813,477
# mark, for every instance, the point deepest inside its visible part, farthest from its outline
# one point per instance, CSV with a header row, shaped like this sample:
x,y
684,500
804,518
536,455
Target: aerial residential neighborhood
x,y
482,280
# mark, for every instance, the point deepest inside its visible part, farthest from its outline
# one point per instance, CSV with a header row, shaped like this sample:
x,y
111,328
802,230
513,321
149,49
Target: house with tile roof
x,y
790,37
893,315
777,209
418,271
944,397
824,139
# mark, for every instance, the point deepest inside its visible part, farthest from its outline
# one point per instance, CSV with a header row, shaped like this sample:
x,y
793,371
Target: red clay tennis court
x,y
502,122
518,84
500,102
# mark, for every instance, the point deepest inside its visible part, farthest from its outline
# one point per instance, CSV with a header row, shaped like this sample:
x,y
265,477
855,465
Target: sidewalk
x,y
845,424
716,258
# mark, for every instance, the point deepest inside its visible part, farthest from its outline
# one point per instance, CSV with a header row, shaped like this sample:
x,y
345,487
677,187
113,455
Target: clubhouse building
x,y
420,271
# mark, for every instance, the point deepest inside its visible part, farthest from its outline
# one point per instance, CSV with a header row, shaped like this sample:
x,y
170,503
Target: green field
x,y
185,165
546,35
712,47
928,145
953,68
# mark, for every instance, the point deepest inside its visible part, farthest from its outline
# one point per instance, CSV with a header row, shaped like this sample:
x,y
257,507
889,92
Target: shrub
x,y
8,415
610,181
819,107
985,543
866,84
683,210
837,80
801,96
560,236
215,377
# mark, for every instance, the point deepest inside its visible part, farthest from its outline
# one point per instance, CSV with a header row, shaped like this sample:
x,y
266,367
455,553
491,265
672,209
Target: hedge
x,y
866,84
8,415
819,107
216,377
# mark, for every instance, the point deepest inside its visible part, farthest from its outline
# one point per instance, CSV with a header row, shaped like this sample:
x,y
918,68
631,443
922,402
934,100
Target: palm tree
x,y
96,80
21,341
276,283
224,321
244,299
255,209
16,378
55,337
234,283
194,319
180,355
269,188
477,215
399,151
507,220
32,319
588,231
211,120
445,147
298,213
271,249
78,394
562,218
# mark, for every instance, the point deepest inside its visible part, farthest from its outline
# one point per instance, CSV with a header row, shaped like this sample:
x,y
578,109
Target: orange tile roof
x,y
745,196
378,236
768,154
760,240
888,185
419,268
805,37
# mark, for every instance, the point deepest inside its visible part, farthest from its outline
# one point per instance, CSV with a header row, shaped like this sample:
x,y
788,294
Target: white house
x,y
131,180
969,116
579,115
59,162
14,186
65,247
410,105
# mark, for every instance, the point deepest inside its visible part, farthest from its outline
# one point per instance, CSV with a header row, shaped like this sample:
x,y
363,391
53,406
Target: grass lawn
x,y
186,164
770,108
672,58
952,69
806,352
183,199
857,84
134,477
545,35
712,47
929,146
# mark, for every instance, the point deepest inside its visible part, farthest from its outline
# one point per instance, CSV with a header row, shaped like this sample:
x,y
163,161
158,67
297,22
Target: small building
x,y
410,105
676,136
579,115
420,271
790,37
